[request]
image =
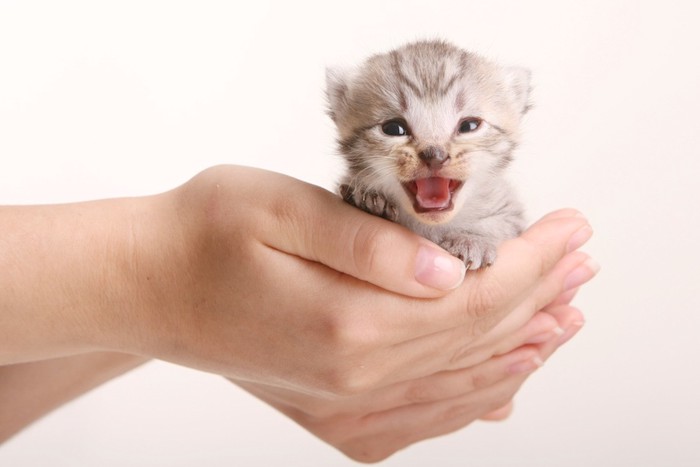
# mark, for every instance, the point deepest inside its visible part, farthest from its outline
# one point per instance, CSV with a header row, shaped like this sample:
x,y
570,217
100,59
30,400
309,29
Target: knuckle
x,y
461,353
348,382
420,392
347,335
456,412
318,413
469,355
369,241
485,299
540,264
286,212
476,380
347,344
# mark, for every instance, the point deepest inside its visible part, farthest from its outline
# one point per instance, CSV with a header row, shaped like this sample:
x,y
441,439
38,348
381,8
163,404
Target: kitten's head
x,y
424,122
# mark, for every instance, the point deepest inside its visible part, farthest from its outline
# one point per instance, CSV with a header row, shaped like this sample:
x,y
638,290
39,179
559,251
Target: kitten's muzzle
x,y
432,194
434,157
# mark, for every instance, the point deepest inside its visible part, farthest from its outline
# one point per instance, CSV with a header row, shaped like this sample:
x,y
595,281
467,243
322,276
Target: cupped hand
x,y
372,426
272,281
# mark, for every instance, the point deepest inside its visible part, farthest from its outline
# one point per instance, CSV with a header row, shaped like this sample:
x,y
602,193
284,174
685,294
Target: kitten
x,y
426,131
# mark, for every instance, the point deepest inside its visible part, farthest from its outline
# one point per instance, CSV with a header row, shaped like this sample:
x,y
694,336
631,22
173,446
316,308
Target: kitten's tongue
x,y
433,192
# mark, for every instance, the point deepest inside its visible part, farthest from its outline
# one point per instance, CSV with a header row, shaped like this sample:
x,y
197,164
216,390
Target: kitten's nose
x,y
434,157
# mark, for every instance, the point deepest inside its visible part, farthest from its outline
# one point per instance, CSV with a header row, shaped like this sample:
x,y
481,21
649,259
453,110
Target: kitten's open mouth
x,y
432,194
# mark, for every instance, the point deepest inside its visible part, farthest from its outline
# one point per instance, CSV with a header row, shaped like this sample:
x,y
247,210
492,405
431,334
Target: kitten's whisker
x,y
423,93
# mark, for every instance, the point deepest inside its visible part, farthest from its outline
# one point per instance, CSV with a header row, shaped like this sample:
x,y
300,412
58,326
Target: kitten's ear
x,y
336,90
517,81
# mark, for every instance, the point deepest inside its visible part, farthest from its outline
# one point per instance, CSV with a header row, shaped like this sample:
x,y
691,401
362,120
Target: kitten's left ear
x,y
336,91
517,82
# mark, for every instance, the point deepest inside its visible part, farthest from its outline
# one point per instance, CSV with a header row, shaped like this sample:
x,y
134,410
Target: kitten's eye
x,y
469,124
395,128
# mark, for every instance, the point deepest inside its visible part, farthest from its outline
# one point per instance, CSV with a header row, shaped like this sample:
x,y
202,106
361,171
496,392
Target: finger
x,y
488,295
385,254
399,351
498,414
377,436
453,349
570,319
319,226
550,291
436,387
566,297
541,328
450,415
450,384
544,326
523,262
458,347
387,422
560,213
575,270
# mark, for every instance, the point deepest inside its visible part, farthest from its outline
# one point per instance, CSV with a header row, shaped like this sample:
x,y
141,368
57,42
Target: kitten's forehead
x,y
429,77
432,84
434,120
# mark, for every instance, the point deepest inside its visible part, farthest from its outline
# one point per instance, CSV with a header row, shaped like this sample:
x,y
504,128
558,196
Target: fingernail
x,y
525,366
438,269
582,274
570,332
545,336
579,238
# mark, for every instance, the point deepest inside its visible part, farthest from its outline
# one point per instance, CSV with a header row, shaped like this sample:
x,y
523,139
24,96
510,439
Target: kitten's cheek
x,y
438,269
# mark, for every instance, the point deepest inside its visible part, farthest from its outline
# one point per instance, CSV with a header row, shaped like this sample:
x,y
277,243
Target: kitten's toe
x,y
369,201
374,202
379,205
476,252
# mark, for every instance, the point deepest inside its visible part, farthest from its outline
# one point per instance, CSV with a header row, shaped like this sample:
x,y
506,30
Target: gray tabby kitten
x,y
426,131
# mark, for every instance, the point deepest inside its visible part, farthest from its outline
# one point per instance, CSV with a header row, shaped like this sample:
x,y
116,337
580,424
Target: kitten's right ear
x,y
518,84
336,91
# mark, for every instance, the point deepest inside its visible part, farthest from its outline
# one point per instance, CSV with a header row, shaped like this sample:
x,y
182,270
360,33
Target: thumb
x,y
317,225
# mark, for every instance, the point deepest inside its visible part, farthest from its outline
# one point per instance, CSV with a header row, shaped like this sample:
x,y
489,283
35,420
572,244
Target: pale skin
x,y
357,329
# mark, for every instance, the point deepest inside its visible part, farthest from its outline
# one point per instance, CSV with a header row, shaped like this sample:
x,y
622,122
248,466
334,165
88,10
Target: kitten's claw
x,y
369,201
476,252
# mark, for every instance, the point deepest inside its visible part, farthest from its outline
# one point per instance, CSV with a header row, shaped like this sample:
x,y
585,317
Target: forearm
x,y
30,390
71,276
76,282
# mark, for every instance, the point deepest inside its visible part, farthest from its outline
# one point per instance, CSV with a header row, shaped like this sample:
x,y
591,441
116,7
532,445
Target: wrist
x,y
152,285
75,276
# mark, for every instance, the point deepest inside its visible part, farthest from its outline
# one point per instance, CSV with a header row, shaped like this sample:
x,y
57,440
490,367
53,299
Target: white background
x,y
104,99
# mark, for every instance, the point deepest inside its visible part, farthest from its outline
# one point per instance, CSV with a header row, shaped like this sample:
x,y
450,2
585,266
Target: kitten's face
x,y
426,122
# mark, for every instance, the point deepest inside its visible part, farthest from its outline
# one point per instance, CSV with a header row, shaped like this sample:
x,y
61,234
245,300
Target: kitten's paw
x,y
369,201
476,252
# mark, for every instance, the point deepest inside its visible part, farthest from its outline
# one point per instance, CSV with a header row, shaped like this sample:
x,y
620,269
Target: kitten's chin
x,y
434,217
432,198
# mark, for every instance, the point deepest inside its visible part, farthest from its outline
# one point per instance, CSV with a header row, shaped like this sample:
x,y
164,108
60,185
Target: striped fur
x,y
432,86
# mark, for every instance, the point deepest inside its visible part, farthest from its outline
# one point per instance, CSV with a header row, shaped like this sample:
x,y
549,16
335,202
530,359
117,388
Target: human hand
x,y
266,279
234,273
370,427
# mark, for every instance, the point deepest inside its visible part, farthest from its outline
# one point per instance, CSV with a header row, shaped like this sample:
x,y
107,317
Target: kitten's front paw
x,y
476,252
369,201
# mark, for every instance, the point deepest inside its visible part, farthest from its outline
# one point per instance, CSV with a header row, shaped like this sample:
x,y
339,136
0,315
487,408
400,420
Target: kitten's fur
x,y
430,88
